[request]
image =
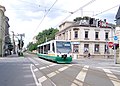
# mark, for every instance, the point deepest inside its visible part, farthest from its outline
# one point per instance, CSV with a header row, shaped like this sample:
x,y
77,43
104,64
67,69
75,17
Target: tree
x,y
45,35
77,19
81,18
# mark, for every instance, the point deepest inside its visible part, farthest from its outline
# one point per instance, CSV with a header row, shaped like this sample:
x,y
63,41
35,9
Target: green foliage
x,y
45,35
81,18
32,46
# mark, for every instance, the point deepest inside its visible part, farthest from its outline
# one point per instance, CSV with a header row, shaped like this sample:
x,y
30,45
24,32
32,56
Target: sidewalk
x,y
13,55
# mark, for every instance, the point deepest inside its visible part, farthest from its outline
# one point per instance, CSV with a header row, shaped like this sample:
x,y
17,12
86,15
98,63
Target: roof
x,y
118,14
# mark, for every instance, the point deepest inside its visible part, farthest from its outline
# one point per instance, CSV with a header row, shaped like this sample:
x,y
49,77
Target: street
x,y
33,71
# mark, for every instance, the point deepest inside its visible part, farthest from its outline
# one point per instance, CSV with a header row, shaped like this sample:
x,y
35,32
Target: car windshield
x,y
63,47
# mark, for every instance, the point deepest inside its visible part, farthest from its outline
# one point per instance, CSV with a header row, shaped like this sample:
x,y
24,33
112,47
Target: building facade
x,y
4,31
2,28
118,35
88,37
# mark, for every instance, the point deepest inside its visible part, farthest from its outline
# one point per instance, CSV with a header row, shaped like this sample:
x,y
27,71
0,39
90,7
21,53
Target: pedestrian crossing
x,y
80,78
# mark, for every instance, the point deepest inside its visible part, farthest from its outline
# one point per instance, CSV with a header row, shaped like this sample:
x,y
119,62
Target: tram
x,y
56,50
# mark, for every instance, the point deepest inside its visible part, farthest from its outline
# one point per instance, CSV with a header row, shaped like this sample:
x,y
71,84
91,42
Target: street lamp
x,y
14,52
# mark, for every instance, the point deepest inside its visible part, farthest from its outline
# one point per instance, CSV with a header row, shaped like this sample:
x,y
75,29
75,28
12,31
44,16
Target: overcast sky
x,y
25,16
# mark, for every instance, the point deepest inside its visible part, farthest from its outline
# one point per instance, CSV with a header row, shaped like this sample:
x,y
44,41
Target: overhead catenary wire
x,y
71,13
106,10
45,15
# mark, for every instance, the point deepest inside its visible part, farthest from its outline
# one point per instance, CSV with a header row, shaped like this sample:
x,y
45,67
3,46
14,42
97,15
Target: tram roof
x,y
51,42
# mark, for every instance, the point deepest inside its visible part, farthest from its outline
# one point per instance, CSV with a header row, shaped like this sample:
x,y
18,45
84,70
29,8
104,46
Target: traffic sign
x,y
115,38
110,44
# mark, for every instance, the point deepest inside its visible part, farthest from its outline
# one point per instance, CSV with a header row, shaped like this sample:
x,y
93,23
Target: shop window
x,y
75,48
106,48
86,48
96,49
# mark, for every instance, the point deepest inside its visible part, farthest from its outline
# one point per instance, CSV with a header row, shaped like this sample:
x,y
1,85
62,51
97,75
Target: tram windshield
x,y
63,47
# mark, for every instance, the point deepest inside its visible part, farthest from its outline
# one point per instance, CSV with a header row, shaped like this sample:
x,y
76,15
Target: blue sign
x,y
115,38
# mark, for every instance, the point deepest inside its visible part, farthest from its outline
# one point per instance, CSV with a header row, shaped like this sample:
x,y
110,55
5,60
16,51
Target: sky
x,y
33,16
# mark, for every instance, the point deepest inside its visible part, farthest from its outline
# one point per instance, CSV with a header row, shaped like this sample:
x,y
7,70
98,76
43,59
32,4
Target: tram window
x,y
41,49
38,49
53,48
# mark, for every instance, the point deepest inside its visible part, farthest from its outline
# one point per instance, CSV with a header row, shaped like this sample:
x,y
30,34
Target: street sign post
x,y
110,44
115,40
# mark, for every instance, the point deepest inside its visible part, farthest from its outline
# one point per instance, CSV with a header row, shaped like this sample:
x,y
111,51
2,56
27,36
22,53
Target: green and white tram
x,y
56,50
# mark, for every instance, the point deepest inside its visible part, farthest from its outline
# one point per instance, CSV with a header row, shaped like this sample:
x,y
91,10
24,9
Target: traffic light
x,y
91,21
99,23
116,46
20,44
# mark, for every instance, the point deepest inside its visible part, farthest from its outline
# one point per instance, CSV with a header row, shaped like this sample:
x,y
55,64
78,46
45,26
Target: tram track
x,y
95,71
64,75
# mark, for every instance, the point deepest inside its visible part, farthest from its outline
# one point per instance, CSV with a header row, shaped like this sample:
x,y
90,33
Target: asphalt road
x,y
33,71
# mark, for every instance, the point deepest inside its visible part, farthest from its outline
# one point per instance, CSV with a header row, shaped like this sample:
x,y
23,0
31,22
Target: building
x,y
2,28
88,36
7,41
118,34
4,31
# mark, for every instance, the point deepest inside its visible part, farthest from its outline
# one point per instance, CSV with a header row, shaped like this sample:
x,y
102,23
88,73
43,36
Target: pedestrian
x,y
89,55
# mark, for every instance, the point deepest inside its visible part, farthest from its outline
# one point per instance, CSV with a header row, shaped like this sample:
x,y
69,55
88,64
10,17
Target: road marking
x,y
58,71
41,68
35,70
51,74
36,63
42,79
81,76
64,68
35,79
108,68
112,77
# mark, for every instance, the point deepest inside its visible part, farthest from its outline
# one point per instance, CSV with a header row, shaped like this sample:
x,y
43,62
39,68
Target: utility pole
x,y
14,50
21,41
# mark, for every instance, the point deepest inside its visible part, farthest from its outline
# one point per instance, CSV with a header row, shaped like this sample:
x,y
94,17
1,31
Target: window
x,y
53,47
76,34
86,34
70,35
75,48
106,35
96,49
86,47
106,49
96,35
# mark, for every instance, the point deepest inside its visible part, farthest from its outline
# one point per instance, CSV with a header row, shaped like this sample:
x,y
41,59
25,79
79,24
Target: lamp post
x,y
14,52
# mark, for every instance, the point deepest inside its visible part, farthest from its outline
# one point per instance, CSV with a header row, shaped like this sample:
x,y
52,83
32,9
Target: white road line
x,y
35,79
81,76
51,74
112,77
58,71
42,68
35,70
36,63
64,68
108,68
42,79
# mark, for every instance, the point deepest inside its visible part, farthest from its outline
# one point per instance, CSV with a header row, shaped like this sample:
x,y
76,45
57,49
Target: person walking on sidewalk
x,y
89,55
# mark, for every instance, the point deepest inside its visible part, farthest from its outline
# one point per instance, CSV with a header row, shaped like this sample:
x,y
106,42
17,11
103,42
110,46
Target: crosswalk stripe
x,y
81,76
115,81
